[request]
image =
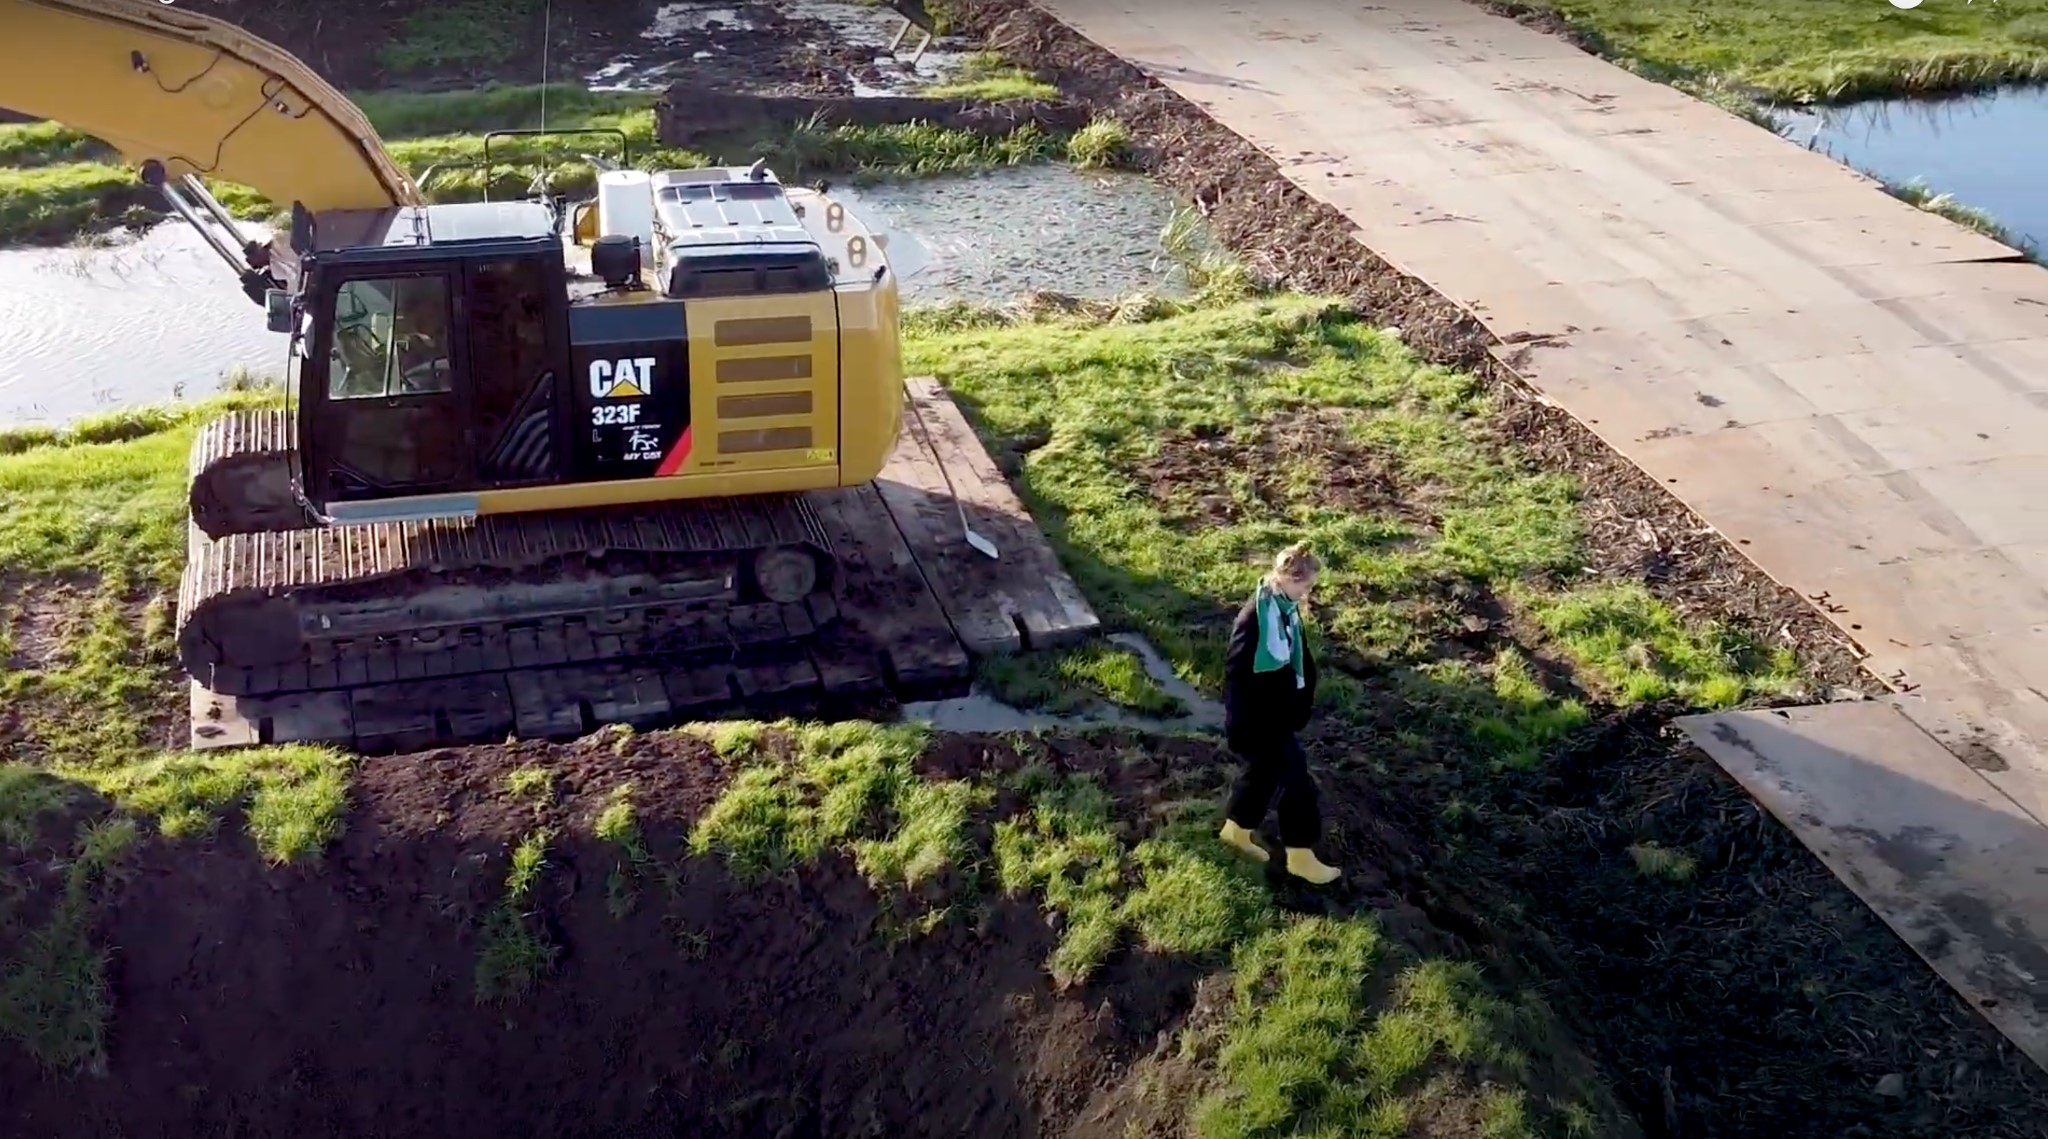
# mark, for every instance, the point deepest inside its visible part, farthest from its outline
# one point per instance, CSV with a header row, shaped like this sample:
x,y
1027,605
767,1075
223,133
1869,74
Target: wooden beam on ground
x,y
1023,598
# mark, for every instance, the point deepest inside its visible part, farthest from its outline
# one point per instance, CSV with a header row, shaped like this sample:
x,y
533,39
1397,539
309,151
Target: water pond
x,y
1985,150
157,317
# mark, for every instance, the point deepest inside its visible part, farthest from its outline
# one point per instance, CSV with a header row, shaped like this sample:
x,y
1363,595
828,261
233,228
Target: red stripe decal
x,y
673,461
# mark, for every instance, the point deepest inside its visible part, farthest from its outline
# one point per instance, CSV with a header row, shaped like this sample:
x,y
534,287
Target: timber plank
x,y
1021,599
541,709
623,694
409,717
245,721
698,689
886,598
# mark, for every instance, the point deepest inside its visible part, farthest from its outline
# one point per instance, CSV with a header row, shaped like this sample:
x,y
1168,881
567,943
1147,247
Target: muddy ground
x,y
349,46
338,999
1775,1004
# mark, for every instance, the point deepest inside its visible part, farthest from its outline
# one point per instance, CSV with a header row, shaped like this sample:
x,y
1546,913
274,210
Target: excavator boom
x,y
198,95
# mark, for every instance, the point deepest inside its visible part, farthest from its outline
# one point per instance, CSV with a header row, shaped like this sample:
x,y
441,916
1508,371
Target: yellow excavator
x,y
517,433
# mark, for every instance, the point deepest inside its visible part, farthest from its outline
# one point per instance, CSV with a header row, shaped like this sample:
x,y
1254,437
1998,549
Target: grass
x,y
1746,54
53,187
1312,1055
1176,892
462,36
1075,681
986,77
1820,50
618,825
53,990
47,144
836,780
516,953
105,497
1917,193
1169,551
1337,1029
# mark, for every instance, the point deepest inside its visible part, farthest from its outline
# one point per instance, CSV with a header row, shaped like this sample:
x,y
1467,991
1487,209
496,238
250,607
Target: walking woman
x,y
1269,689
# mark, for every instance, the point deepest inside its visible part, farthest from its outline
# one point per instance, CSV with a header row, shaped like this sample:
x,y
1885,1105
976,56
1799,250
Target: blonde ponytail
x,y
1295,563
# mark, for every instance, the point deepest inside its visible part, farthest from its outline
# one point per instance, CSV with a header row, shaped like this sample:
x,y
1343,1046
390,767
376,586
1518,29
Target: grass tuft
x,y
986,77
851,786
1104,144
533,783
1662,863
1178,892
516,952
293,797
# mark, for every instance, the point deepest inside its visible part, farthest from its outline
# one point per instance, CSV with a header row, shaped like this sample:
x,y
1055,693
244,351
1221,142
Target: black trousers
x,y
1276,766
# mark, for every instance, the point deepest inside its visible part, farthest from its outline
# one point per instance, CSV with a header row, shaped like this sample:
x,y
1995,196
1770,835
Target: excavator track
x,y
272,611
445,633
241,475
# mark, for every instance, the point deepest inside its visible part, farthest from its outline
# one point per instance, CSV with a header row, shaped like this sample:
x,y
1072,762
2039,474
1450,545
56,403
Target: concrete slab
x,y
1955,869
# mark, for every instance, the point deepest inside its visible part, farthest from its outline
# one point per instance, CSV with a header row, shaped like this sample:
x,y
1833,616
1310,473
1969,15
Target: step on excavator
x,y
542,464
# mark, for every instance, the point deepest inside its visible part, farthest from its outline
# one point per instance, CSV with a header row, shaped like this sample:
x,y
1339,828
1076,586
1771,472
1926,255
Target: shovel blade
x,y
982,545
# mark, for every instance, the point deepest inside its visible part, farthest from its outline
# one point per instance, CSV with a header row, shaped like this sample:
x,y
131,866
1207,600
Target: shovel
x,y
979,541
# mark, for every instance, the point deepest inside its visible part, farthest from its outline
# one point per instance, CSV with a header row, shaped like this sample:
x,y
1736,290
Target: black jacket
x,y
1262,706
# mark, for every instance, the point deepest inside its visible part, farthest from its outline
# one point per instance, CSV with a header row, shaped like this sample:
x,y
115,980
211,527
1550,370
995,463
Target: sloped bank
x,y
750,931
1716,970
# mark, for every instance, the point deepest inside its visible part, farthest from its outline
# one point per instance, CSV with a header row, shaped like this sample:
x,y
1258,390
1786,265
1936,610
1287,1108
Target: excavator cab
x,y
427,370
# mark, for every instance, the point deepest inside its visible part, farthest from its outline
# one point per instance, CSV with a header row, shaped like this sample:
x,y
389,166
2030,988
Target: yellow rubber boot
x,y
1243,840
1303,864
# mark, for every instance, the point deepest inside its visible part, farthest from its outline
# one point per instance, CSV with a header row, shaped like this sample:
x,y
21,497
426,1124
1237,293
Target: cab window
x,y
390,339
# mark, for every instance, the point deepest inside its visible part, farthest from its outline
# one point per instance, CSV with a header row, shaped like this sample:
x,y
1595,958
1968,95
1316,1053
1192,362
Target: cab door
x,y
387,381
516,323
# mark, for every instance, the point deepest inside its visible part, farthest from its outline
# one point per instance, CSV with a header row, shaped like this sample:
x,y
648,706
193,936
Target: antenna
x,y
547,18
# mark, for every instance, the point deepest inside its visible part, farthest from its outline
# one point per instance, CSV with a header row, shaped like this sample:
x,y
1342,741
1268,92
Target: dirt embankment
x,y
341,999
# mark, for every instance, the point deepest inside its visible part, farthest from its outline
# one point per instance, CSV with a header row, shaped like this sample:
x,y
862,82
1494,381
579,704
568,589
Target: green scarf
x,y
1279,634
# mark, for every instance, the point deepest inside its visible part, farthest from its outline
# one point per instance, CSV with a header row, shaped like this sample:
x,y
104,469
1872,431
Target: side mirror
x,y
277,310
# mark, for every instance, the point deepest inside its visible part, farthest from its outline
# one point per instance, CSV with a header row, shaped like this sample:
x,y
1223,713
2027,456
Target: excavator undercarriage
x,y
406,635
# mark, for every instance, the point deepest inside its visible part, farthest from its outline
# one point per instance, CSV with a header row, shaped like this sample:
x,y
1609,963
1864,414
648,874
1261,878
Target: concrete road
x,y
1853,390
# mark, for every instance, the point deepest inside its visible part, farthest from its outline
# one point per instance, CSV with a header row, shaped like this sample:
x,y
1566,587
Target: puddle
x,y
84,329
684,34
1974,148
158,318
680,34
872,26
994,236
982,713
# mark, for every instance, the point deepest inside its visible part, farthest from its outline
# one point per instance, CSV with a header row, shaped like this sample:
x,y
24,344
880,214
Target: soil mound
x,y
349,997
